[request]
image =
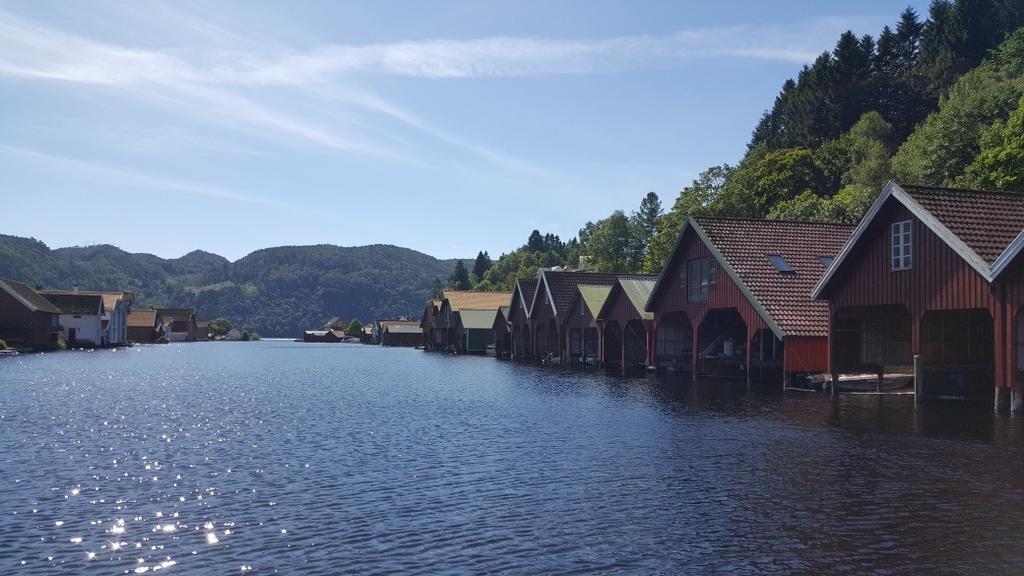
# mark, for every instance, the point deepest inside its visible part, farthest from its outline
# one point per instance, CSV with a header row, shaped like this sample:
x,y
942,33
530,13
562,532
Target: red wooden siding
x,y
724,294
939,279
805,354
620,309
540,319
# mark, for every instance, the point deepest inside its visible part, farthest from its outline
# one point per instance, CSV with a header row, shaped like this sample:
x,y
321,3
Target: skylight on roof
x,y
780,264
826,261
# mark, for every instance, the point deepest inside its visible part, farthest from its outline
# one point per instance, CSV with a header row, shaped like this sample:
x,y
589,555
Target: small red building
x,y
401,333
146,326
627,328
502,333
933,274
27,320
519,319
581,324
429,326
734,298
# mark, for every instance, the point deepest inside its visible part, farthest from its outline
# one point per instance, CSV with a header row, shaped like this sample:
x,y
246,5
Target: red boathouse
x,y
519,319
627,328
734,299
933,274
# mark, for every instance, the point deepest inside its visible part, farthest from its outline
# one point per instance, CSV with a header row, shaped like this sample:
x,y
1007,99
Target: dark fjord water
x,y
221,458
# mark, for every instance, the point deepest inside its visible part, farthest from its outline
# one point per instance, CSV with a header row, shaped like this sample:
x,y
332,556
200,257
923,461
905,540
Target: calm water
x,y
223,458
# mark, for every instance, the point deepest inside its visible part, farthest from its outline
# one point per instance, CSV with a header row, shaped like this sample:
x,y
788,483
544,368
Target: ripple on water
x,y
347,459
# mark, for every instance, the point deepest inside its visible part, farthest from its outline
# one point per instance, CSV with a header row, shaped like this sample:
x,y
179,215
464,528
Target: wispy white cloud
x,y
129,178
230,85
512,56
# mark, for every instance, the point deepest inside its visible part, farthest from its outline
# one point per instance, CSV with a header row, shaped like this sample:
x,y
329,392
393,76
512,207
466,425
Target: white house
x,y
81,316
117,306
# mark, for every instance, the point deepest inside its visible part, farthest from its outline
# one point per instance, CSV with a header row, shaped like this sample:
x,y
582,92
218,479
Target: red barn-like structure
x,y
933,274
627,329
734,299
519,319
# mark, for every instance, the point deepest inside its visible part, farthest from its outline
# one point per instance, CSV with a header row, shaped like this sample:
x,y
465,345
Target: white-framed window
x,y
901,245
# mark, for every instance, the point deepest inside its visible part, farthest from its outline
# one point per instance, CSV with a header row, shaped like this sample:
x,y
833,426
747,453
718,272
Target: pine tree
x,y
536,242
481,265
645,223
437,289
460,277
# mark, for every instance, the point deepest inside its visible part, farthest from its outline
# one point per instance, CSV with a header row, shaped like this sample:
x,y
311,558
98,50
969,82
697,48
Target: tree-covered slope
x,y
275,291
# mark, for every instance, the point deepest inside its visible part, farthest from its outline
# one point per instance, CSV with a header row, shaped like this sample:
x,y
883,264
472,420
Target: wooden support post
x,y
881,377
918,380
696,351
784,381
750,355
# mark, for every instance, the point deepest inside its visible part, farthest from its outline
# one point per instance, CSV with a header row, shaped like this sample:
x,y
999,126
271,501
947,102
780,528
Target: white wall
x,y
87,328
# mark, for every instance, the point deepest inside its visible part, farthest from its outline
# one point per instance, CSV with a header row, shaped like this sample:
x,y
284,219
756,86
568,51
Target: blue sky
x,y
447,127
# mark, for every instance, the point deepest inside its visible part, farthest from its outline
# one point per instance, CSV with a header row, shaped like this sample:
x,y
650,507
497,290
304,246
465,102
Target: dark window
x,y
780,264
700,276
826,261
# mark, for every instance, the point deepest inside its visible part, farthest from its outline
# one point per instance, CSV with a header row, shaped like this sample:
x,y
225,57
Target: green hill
x,y
275,291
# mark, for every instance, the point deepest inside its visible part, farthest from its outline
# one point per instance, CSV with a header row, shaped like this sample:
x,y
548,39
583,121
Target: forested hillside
x,y
276,291
934,101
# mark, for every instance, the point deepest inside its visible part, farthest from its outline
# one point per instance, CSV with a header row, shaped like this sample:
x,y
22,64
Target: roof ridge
x,y
770,220
970,190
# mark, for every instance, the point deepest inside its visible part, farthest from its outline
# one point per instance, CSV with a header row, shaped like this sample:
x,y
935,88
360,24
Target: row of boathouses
x,y
37,319
928,288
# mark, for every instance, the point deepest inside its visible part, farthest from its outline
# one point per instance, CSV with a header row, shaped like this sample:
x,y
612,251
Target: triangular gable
x,y
593,296
632,288
517,294
542,282
693,226
893,191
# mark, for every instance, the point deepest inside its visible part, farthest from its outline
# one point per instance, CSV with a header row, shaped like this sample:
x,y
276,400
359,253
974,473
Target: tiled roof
x,y
987,222
459,299
564,285
785,297
477,319
527,288
76,303
142,318
28,297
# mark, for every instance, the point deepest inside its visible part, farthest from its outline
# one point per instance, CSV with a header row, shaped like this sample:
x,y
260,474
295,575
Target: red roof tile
x,y
987,222
745,246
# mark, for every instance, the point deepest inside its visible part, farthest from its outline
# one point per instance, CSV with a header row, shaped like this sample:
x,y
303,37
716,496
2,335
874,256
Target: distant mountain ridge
x,y
277,291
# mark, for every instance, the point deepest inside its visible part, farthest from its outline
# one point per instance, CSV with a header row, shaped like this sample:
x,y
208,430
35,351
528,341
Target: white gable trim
x,y
893,190
738,281
1008,256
